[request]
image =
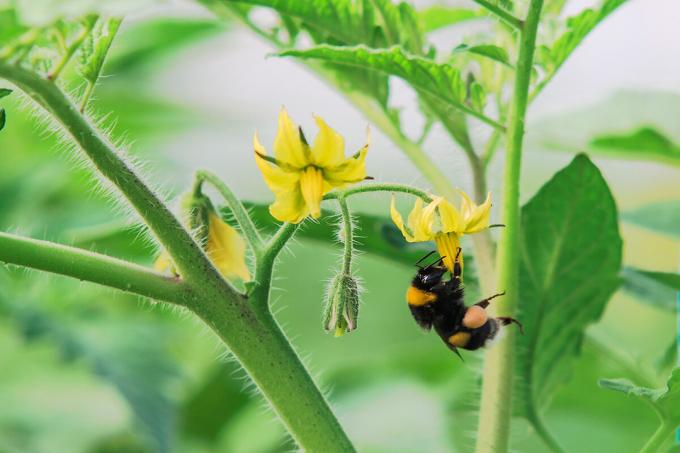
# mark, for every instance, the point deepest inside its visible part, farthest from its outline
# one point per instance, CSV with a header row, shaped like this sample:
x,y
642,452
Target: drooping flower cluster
x,y
300,175
442,222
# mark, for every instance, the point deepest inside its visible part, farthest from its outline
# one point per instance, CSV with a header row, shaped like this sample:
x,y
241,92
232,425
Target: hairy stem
x,y
92,267
255,340
348,236
238,210
496,402
187,255
378,187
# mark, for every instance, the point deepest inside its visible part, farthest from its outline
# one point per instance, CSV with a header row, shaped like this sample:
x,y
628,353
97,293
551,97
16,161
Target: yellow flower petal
x,y
450,217
289,206
399,221
288,147
312,188
277,179
226,249
476,218
352,170
447,246
423,229
329,146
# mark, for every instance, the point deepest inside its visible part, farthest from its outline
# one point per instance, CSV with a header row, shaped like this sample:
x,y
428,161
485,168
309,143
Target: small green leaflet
x,y
666,401
437,79
486,50
571,257
643,143
662,217
99,47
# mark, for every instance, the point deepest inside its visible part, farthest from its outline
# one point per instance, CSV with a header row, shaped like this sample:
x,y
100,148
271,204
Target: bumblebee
x,y
439,303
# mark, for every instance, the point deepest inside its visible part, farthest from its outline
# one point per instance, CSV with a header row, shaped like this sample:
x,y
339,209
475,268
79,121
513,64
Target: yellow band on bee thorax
x,y
418,297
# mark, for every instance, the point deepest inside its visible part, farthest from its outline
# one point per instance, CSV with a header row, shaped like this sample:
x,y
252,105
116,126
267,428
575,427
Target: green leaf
x,y
659,289
490,51
437,16
645,143
666,401
147,42
5,92
578,27
440,80
571,258
662,217
92,65
3,119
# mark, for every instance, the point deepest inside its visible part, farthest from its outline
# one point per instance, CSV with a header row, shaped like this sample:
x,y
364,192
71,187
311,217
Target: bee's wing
x,y
423,315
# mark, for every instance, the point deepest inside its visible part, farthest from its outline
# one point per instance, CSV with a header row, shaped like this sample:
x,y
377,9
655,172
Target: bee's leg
x,y
457,269
507,321
485,302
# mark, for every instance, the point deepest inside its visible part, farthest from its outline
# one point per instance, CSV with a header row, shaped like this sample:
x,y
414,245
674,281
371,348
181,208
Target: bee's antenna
x,y
436,263
424,258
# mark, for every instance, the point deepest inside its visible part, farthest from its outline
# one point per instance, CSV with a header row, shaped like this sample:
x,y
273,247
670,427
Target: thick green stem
x,y
263,350
92,267
496,402
238,210
660,437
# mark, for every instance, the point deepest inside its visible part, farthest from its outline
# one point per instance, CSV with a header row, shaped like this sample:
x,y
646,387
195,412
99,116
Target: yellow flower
x,y
300,174
224,246
442,222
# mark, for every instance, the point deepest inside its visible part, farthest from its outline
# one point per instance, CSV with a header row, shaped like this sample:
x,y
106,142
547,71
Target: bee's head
x,y
431,275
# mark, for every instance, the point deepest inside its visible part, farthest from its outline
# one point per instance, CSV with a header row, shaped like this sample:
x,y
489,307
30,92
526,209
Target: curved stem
x,y
378,187
659,438
496,402
92,267
238,210
542,431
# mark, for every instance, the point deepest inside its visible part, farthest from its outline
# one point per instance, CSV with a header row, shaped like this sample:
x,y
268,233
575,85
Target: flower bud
x,y
342,305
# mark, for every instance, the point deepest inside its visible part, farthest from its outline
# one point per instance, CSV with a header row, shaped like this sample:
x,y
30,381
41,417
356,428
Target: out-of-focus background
x,y
85,369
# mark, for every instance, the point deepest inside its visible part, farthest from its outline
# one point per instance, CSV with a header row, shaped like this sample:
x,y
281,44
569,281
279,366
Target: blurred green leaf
x,y
490,51
143,44
441,80
3,118
135,366
571,257
215,403
645,143
578,27
670,357
665,401
659,289
5,92
663,217
437,16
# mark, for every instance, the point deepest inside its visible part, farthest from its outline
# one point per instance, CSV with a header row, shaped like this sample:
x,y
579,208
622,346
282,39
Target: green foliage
x,y
578,27
645,143
571,258
659,289
490,51
139,370
437,16
94,53
436,79
662,217
665,401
